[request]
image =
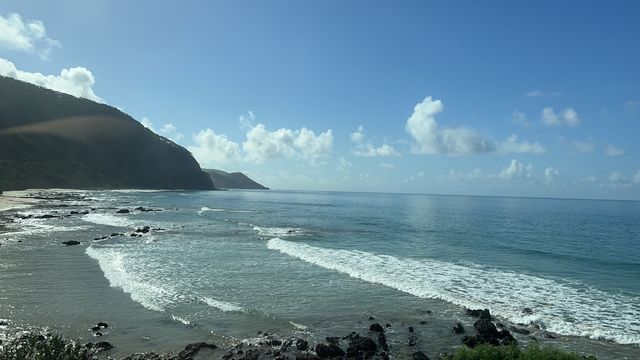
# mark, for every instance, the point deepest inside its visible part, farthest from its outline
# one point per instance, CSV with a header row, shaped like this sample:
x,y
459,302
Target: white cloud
x,y
551,174
582,146
516,170
550,118
430,139
368,149
636,177
511,145
387,166
77,81
590,178
170,131
28,36
344,165
611,150
212,149
357,136
263,144
540,93
519,118
616,177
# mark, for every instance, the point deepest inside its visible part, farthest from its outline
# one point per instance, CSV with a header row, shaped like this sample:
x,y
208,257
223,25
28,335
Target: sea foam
x,y
278,231
113,266
108,219
561,307
223,305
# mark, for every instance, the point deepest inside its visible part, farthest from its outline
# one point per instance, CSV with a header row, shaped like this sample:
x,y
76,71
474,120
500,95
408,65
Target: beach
x,y
165,269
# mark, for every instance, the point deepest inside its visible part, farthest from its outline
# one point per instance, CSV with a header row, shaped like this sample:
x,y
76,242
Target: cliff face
x,y
234,180
54,140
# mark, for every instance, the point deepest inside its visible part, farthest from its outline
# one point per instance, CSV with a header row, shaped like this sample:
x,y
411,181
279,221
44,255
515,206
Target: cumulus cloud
x,y
568,117
358,135
516,170
27,36
167,130
431,139
616,177
77,81
263,144
511,145
170,131
368,149
611,150
636,177
213,149
582,146
551,174
344,165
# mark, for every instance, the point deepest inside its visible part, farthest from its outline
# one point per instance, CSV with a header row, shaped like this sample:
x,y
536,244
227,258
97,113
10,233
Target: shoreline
x,y
401,333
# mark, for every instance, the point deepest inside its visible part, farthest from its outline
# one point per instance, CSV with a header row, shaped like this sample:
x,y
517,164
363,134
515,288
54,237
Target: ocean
x,y
222,265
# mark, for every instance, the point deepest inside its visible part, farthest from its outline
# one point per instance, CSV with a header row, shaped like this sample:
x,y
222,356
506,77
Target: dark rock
x,y
387,325
472,341
423,322
192,350
527,311
485,328
3,323
123,211
506,338
101,238
410,329
45,216
458,329
302,344
329,351
375,327
485,314
143,230
520,330
98,334
71,242
361,346
548,336
383,342
103,346
371,318
115,234
478,313
499,325
73,212
95,328
102,325
413,340
333,340
419,355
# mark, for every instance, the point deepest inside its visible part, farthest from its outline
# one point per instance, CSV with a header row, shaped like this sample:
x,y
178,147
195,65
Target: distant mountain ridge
x,y
53,140
235,180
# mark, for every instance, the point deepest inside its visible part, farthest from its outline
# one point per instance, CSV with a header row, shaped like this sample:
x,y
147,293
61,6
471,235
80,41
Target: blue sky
x,y
459,97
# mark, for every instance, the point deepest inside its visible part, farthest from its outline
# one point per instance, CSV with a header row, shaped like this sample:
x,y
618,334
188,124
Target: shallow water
x,y
222,265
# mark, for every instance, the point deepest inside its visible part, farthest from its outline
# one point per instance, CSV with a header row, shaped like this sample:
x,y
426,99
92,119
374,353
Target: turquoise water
x,y
226,264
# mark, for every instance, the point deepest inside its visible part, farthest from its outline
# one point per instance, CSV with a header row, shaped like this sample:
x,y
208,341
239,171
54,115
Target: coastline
x,y
10,200
399,335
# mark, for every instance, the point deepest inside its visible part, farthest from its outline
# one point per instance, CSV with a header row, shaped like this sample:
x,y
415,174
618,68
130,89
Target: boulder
x,y
71,242
458,329
192,350
419,355
329,351
375,327
102,346
485,328
302,344
123,211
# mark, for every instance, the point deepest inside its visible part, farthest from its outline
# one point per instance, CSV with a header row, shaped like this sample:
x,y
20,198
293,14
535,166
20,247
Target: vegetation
x,y
39,347
235,180
54,140
532,352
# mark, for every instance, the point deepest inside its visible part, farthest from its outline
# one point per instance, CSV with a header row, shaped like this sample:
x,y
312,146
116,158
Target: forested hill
x,y
53,140
235,180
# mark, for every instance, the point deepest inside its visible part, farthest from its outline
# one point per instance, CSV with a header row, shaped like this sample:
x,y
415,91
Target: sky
x,y
537,98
